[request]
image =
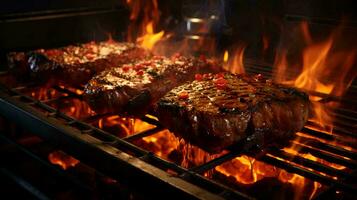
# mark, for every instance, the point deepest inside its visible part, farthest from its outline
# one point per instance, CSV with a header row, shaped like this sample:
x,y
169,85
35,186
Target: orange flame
x,y
324,70
149,39
144,17
234,64
119,126
62,159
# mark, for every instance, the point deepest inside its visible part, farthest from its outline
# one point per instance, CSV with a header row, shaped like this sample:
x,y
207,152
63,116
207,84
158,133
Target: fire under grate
x,y
120,158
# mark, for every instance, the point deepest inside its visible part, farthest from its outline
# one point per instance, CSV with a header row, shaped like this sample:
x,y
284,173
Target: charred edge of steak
x,y
222,110
133,88
75,65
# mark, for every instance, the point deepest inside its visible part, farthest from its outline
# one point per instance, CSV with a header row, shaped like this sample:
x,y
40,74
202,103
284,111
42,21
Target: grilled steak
x,y
133,88
217,111
75,65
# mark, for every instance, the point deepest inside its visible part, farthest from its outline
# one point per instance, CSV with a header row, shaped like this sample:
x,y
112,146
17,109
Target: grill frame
x,y
76,136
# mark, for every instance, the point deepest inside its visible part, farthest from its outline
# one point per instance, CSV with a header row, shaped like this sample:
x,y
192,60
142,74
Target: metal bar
x,y
326,156
308,174
330,192
329,148
96,117
54,170
70,93
56,99
24,184
329,137
142,134
215,162
308,163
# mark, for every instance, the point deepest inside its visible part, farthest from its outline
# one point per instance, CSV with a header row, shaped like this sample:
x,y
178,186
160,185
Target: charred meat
x,y
74,65
219,110
132,88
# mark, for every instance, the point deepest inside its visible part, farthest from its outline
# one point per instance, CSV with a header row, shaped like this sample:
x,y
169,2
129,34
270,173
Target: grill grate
x,y
78,136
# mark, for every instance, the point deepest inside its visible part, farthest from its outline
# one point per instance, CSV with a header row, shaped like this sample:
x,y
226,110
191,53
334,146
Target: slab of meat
x,y
218,111
75,65
133,88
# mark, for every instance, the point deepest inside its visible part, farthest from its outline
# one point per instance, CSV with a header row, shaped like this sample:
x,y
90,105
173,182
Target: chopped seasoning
x,y
140,73
138,67
206,76
219,75
221,83
198,77
126,68
90,56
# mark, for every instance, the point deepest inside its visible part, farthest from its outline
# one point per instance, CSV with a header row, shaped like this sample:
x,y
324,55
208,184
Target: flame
x,y
149,39
44,93
246,170
119,126
225,56
234,64
144,16
76,108
62,159
324,69
140,126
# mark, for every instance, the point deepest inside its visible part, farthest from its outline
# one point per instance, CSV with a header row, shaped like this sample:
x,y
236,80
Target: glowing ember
x,y
119,126
62,159
162,143
75,108
140,125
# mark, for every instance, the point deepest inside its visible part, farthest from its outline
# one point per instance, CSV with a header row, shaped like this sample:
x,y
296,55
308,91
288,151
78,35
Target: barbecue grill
x,y
36,122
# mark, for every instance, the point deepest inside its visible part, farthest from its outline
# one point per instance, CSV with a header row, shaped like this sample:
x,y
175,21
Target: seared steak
x,y
75,65
217,111
132,88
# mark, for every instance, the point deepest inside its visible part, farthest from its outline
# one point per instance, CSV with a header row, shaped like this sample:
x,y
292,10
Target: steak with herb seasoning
x,y
133,88
218,111
74,65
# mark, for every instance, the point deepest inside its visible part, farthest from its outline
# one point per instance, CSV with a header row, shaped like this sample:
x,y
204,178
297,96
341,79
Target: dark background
x,y
33,24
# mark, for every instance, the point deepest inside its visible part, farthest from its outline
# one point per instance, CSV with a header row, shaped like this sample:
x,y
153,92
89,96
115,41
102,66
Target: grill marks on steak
x,y
133,88
221,110
75,65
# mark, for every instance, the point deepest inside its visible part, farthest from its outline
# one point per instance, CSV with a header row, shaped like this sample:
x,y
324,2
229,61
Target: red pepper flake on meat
x,y
140,73
219,75
90,56
198,77
126,68
206,76
183,95
221,83
139,66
